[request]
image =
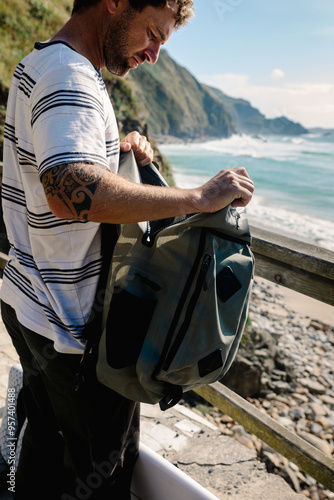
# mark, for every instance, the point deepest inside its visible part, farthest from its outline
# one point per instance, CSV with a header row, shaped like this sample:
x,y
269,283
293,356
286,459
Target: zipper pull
x,y
237,216
147,234
206,262
204,269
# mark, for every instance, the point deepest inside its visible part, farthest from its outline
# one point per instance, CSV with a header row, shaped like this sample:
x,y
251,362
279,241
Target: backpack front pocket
x,y
124,338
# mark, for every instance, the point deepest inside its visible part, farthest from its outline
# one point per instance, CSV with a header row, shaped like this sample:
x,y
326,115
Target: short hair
x,y
185,11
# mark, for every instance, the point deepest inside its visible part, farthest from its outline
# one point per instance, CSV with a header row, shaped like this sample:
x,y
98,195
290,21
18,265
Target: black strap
x,y
109,235
93,329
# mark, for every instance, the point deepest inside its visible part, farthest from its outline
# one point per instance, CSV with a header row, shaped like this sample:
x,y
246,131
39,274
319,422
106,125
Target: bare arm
x,y
89,192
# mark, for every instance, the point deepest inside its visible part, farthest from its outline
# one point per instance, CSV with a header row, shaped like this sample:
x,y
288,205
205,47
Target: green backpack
x,y
176,300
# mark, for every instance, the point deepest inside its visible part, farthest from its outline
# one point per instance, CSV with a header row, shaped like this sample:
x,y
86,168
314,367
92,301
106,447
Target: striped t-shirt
x,y
58,112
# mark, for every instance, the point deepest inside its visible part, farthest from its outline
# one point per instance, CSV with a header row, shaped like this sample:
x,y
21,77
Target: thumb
x,y
125,146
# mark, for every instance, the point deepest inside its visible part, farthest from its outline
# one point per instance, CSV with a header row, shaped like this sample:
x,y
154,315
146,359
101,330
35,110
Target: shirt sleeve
x,y
67,118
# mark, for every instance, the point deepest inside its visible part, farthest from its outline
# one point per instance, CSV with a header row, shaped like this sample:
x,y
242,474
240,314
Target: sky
x,y
277,54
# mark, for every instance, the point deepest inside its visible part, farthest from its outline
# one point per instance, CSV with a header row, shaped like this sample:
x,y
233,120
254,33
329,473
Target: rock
x,y
279,375
318,410
225,419
274,458
286,422
313,386
281,387
225,452
319,443
246,441
315,428
296,413
244,377
325,422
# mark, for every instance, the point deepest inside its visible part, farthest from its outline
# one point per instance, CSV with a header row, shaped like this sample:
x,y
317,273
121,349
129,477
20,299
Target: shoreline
x,y
307,306
163,139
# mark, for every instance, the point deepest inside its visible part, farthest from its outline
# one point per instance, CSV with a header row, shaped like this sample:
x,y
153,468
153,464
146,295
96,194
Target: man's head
x,y
185,7
130,32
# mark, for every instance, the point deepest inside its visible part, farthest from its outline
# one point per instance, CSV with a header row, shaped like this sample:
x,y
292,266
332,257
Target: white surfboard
x,y
157,479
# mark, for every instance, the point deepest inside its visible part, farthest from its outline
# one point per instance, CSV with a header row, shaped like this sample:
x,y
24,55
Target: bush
x,y
38,10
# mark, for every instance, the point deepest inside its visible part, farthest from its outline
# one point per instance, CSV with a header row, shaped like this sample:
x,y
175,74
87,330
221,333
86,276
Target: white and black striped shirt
x,y
58,112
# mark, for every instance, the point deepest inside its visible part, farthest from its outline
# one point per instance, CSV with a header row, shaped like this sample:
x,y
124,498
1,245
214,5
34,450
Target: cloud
x,y
309,103
276,74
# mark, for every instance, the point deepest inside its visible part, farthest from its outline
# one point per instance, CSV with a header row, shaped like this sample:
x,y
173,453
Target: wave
x,y
299,226
313,230
274,147
293,194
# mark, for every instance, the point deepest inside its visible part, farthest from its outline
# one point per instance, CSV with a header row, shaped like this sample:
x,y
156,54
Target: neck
x,y
85,35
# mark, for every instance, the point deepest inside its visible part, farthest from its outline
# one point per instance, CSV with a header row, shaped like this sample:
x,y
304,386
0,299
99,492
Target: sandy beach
x,y
306,306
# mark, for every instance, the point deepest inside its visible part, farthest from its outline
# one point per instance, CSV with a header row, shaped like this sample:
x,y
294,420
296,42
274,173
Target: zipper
x,y
181,303
149,236
200,284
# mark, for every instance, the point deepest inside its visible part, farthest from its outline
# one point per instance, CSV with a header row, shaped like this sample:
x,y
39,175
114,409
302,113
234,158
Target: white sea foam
x,y
278,220
262,212
276,148
293,224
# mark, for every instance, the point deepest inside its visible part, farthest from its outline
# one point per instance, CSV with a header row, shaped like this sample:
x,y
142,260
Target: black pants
x,y
78,444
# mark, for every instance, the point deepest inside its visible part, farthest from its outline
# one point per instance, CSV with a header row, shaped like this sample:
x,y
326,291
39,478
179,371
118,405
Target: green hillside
x,y
22,22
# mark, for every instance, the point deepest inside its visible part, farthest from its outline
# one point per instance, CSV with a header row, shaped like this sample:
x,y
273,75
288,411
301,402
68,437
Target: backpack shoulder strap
x,y
109,236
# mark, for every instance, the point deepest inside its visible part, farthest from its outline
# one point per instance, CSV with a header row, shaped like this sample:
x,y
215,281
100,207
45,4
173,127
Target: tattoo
x,y
74,184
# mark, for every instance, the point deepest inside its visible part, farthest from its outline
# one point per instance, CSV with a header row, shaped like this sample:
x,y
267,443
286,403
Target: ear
x,y
112,5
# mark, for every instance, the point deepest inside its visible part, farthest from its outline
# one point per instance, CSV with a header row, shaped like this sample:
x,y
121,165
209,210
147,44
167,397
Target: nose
x,y
152,52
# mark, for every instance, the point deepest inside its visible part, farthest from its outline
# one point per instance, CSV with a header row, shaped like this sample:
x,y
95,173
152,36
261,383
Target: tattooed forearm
x,y
75,185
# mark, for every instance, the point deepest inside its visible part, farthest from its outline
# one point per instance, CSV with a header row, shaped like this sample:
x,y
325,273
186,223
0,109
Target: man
x,y
59,183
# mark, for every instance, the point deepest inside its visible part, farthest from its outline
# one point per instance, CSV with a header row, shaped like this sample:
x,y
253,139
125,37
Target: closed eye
x,y
160,36
151,35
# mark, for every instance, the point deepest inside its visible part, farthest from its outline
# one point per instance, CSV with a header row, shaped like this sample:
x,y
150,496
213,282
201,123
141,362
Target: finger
x,y
133,138
125,146
142,145
247,183
145,156
144,162
244,198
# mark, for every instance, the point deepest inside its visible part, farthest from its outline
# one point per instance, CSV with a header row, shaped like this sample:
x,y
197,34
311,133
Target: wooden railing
x,y
307,269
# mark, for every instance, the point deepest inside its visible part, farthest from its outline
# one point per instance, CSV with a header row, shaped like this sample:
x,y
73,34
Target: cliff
x,y
249,120
173,102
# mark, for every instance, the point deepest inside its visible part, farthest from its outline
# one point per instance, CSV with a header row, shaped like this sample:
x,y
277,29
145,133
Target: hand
x,y
232,186
141,147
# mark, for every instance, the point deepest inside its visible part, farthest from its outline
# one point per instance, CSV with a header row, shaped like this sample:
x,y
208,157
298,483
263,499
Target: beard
x,y
116,44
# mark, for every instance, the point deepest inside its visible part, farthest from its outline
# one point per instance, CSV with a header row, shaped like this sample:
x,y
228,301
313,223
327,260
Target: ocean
x,y
293,176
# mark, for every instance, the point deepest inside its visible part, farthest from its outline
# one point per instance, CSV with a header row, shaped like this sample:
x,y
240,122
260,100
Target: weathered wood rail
x,y
307,269
303,267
